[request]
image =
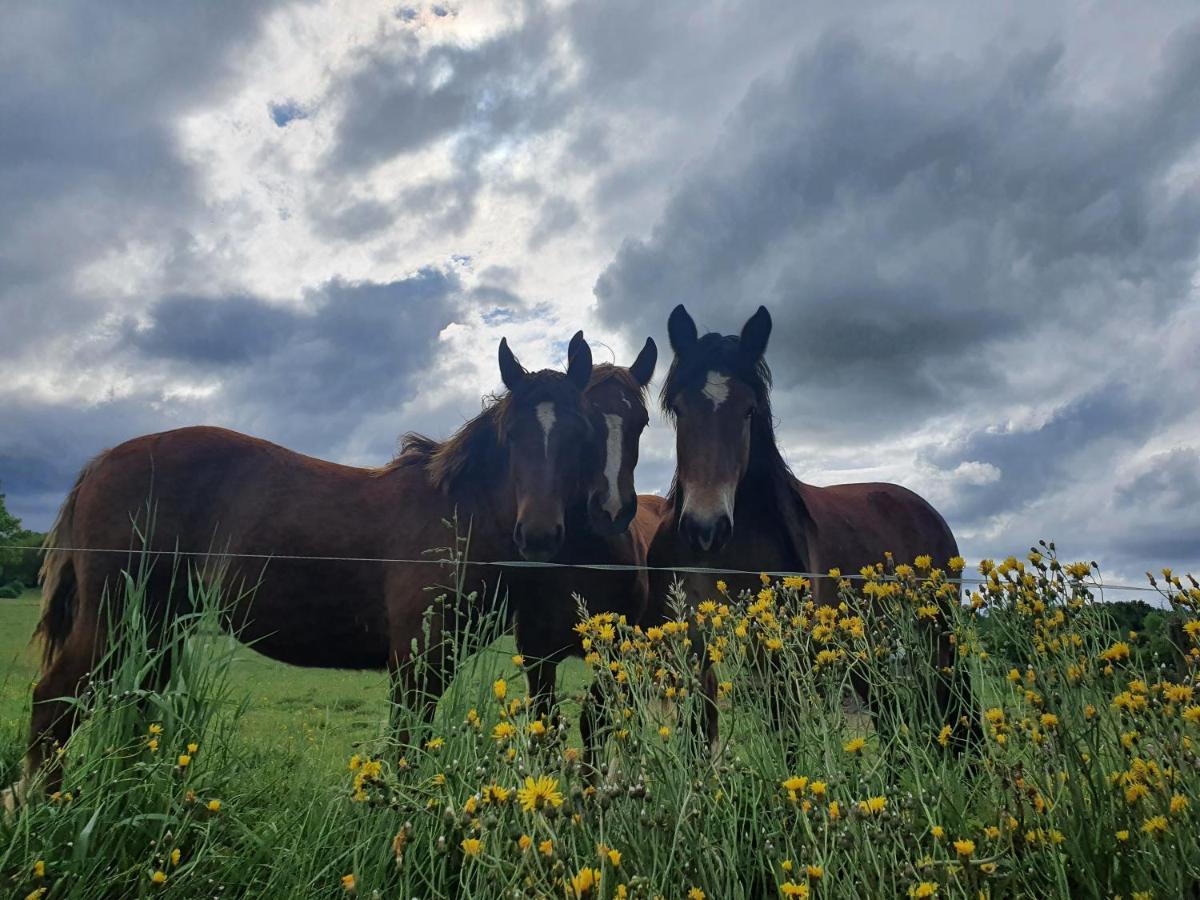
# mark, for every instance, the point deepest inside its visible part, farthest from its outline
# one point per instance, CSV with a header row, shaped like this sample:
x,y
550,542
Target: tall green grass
x,y
1082,778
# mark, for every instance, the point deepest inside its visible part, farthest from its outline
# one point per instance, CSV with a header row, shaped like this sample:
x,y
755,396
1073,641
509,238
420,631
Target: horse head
x,y
616,405
715,392
542,427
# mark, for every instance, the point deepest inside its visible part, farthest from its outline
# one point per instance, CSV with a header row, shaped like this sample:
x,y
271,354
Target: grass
x,y
320,716
1082,780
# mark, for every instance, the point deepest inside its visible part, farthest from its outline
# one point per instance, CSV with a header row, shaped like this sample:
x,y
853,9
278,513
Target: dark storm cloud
x,y
304,375
351,346
88,96
899,216
1170,481
401,98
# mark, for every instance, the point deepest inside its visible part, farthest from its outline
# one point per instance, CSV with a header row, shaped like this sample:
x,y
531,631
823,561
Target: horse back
x,y
215,502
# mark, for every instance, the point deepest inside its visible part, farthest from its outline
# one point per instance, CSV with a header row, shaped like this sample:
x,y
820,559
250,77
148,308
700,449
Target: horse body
x,y
206,489
735,504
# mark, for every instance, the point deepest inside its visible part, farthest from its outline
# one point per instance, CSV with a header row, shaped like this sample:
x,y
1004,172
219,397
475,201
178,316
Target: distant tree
x,y
18,566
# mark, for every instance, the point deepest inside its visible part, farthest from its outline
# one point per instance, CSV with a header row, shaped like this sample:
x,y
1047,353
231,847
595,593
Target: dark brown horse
x,y
598,532
734,503
511,473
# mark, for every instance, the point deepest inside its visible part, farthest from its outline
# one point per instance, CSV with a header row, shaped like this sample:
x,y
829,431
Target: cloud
x,y
950,247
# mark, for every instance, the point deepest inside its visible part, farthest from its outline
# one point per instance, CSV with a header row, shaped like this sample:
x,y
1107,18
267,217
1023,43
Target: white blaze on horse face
x,y
612,464
545,415
716,389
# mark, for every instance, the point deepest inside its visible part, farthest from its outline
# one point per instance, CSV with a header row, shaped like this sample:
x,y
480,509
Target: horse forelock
x,y
602,373
716,353
461,461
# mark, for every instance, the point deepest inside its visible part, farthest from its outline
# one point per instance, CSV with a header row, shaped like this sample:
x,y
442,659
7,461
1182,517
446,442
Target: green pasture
x,y
316,717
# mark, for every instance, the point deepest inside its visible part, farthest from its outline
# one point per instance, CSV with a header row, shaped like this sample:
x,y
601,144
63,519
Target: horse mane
x,y
466,461
604,372
767,465
460,459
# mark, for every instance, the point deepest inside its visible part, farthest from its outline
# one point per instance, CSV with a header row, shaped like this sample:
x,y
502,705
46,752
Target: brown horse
x,y
729,470
511,473
598,532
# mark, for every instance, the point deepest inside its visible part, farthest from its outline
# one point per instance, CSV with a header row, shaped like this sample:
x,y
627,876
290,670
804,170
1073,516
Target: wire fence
x,y
520,564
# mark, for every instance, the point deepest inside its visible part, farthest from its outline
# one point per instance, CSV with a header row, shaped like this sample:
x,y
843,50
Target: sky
x,y
975,226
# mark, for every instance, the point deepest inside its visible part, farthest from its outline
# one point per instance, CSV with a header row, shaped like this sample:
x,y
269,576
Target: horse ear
x,y
576,341
755,333
579,363
681,328
642,369
511,371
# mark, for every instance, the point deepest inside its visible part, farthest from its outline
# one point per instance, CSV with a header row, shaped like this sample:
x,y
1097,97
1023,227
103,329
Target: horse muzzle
x,y
706,535
538,545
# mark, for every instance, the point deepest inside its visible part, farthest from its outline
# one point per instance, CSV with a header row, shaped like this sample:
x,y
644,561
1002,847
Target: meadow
x,y
1075,775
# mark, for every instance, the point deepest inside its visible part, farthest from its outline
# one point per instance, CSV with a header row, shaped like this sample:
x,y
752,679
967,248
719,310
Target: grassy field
x,y
1078,774
320,716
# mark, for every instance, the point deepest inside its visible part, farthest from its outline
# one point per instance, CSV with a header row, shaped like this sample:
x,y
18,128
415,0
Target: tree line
x,y
18,566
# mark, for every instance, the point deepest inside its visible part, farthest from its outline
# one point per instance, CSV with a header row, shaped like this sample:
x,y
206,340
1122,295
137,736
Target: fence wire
x,y
524,564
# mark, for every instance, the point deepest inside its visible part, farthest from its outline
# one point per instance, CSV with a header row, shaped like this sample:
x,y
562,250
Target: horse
x,y
605,526
511,471
729,470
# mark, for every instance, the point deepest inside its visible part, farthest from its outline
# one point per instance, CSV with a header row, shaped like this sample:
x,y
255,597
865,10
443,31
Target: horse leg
x,y
55,713
707,715
954,700
419,677
541,678
592,722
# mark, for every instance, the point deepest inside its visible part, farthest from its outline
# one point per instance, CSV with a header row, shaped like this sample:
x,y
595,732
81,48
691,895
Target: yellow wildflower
x,y
472,846
500,689
854,745
158,877
539,793
964,847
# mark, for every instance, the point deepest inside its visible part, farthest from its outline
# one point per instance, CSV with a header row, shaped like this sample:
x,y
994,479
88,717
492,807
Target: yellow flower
x,y
1049,720
176,855
835,573
614,857
546,847
1155,825
1118,651
153,745
664,732
1122,835
500,689
1179,803
924,889
184,760
956,564
854,745
355,762
39,869
537,794
472,846
214,805
37,893
938,832
1192,714
436,743
791,889
964,847
944,735
815,872
524,842
503,731
835,810
348,883
722,586
584,880
795,783
537,728
495,795
518,660
154,729
158,877
873,805
695,893
764,578
923,562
